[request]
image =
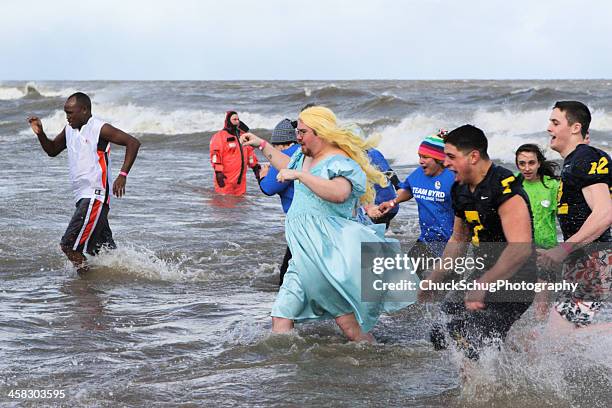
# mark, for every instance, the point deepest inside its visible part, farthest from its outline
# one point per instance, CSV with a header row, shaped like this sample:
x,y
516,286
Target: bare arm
x,y
336,190
51,147
516,224
131,144
598,198
278,159
402,195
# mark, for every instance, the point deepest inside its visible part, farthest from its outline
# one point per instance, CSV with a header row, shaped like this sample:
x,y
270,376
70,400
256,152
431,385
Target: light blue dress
x,y
324,276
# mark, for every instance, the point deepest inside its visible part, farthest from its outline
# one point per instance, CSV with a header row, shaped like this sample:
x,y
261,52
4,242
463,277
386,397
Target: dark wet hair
x,y
547,168
81,99
575,112
467,138
308,105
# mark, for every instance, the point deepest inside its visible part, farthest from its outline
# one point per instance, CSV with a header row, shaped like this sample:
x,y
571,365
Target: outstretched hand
x,y
36,125
386,206
250,139
373,211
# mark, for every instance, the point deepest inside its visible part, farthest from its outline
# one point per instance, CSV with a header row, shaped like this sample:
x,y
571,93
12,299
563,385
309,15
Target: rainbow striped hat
x,y
433,146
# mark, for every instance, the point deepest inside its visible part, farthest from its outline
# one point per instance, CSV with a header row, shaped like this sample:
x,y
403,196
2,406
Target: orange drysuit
x,y
231,158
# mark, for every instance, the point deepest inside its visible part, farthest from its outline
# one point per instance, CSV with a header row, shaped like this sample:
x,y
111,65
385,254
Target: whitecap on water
x,y
153,120
139,262
506,130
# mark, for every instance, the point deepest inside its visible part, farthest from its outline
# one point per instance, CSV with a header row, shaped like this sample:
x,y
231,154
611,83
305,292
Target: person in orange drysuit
x,y
230,159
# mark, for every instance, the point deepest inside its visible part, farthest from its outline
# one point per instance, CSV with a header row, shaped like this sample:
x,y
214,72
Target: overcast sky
x,y
307,39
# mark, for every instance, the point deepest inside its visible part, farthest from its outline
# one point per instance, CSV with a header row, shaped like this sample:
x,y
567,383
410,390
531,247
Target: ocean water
x,y
179,314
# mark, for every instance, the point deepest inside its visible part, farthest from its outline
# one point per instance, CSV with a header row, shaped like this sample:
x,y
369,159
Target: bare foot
x,y
82,270
366,337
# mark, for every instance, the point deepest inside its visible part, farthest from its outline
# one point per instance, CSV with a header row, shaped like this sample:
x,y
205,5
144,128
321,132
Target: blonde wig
x,y
323,121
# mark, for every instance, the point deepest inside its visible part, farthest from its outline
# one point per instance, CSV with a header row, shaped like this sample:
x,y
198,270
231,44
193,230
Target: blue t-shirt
x,y
432,194
270,186
382,193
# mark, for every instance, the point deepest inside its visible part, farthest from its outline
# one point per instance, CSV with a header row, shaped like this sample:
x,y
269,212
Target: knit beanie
x,y
283,133
432,146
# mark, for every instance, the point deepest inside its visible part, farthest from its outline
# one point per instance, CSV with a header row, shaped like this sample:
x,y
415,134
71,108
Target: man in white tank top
x,y
87,140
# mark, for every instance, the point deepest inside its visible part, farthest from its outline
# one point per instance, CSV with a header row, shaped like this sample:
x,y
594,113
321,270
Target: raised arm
x,y
51,147
119,137
276,157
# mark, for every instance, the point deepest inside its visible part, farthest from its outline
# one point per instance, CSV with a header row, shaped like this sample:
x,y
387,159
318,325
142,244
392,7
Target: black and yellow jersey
x,y
583,167
479,209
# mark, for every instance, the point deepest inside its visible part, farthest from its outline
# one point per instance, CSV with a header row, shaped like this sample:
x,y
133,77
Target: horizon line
x,y
309,80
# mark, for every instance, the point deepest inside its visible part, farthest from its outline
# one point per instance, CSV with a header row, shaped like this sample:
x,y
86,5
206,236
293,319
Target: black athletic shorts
x,y
284,265
88,230
474,330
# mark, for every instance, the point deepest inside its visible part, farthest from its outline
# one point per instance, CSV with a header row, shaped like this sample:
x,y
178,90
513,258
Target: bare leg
x,y
351,329
78,260
281,325
598,328
558,326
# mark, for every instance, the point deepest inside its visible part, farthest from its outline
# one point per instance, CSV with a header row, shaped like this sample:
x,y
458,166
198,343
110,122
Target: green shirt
x,y
543,201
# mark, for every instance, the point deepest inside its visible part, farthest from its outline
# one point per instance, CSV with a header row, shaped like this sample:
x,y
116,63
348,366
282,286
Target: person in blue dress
x,y
283,139
430,185
332,178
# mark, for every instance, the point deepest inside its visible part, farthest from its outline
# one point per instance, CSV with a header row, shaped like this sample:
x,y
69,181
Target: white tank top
x,y
89,167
